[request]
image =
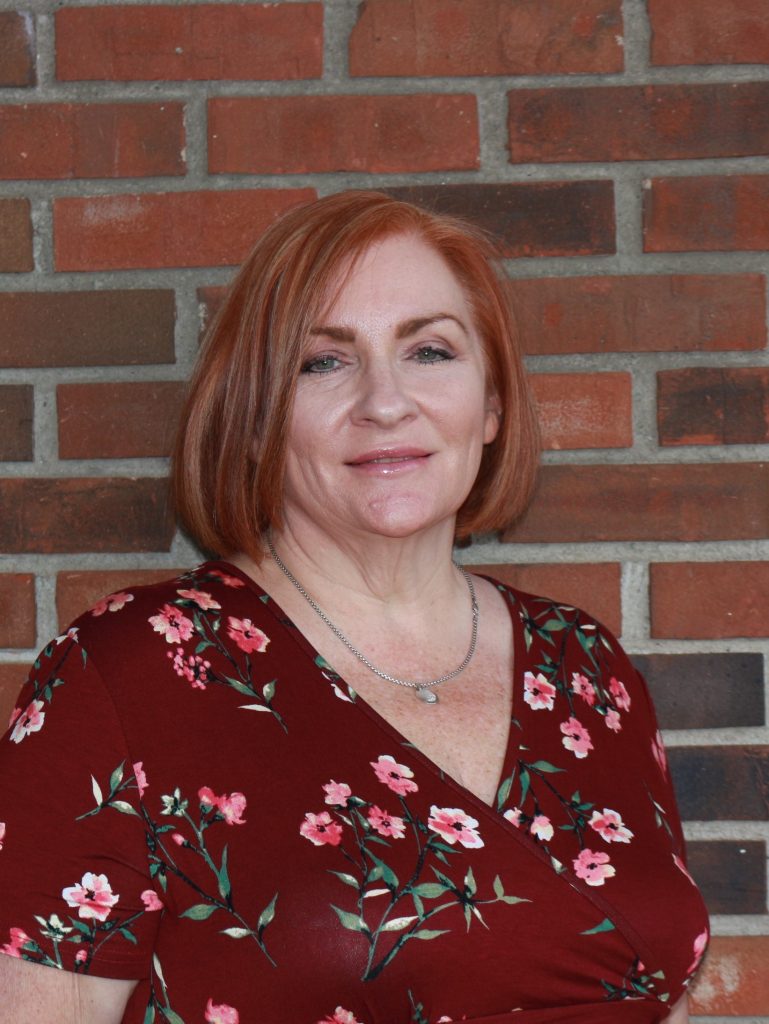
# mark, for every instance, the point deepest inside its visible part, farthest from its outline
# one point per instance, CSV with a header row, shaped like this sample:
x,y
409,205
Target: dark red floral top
x,y
192,797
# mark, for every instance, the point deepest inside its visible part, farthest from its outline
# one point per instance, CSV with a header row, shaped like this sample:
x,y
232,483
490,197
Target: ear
x,y
493,418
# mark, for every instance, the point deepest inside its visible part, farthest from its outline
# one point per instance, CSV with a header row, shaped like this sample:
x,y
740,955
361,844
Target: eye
x,y
321,364
432,354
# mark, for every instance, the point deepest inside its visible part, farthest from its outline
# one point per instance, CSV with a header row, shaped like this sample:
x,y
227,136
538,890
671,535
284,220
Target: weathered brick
x,y
433,38
713,405
731,875
190,42
647,502
705,691
650,122
734,980
171,229
93,328
134,419
592,587
16,412
729,783
91,140
305,134
708,32
584,410
17,610
15,236
89,514
12,678
707,214
544,218
17,49
76,592
710,599
643,313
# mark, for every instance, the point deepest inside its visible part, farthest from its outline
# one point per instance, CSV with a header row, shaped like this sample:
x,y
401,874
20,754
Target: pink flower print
x,y
172,624
337,793
514,816
203,600
320,829
179,839
386,824
541,828
700,945
18,938
396,777
112,603
81,956
229,807
612,720
228,581
191,667
141,778
682,867
221,1013
71,634
593,867
151,900
537,692
247,636
576,738
29,720
341,1016
658,750
620,694
610,826
581,685
454,825
2,834
93,897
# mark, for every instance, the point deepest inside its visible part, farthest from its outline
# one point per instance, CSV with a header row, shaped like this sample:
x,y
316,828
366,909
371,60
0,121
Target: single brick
x,y
544,218
709,32
17,611
12,677
731,875
136,419
643,313
650,122
584,410
727,783
707,214
734,980
701,600
594,588
16,412
76,592
705,691
15,236
93,328
433,38
190,42
17,48
310,134
648,502
704,405
172,229
48,516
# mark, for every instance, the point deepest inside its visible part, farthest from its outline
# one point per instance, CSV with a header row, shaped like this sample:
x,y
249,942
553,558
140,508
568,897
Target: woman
x,y
467,817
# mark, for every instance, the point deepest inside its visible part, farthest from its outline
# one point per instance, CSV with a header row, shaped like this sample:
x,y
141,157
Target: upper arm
x,y
680,1012
33,994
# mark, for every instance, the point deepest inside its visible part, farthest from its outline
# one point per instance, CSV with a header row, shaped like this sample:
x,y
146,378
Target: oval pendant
x,y
426,695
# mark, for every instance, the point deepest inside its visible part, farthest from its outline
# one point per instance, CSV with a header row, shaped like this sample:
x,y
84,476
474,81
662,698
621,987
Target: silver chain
x,y
422,686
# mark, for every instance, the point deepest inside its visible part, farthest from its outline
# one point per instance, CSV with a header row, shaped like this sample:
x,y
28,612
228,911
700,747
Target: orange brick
x,y
76,592
584,410
734,981
17,610
12,677
709,32
702,600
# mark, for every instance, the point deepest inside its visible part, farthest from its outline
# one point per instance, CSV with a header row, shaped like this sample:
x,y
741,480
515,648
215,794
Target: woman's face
x,y
391,410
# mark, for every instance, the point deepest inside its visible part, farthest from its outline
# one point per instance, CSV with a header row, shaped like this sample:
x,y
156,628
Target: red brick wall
x,y
617,148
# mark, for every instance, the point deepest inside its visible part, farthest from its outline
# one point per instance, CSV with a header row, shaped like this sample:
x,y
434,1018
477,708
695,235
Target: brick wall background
x,y
617,147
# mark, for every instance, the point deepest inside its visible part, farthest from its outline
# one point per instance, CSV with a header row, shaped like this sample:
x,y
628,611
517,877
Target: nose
x,y
383,396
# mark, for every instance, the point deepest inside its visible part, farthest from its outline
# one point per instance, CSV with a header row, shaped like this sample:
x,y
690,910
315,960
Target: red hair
x,y
229,458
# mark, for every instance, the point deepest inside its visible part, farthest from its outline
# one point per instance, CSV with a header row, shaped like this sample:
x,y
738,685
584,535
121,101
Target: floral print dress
x,y
192,797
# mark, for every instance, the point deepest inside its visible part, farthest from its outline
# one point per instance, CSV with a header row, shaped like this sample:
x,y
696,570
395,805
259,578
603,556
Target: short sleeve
x,y
75,887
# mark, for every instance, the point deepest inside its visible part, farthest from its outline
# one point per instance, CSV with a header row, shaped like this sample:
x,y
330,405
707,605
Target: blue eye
x,y
320,364
432,354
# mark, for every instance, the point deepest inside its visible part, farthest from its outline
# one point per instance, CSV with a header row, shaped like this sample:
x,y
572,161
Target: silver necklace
x,y
421,687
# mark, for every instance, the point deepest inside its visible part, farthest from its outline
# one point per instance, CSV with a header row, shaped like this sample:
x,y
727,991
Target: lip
x,y
399,456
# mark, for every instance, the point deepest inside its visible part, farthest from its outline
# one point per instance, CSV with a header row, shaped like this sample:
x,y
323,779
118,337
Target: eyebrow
x,y
406,329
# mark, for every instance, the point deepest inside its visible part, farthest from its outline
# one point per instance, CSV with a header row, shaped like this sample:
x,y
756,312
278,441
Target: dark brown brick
x,y
731,875
721,783
704,405
549,218
651,122
135,419
705,691
93,328
16,412
708,32
643,313
76,592
592,587
17,48
17,611
69,515
703,600
647,502
12,677
15,236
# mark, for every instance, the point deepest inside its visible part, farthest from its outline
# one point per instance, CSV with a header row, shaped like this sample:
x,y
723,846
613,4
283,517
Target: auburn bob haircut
x,y
229,458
